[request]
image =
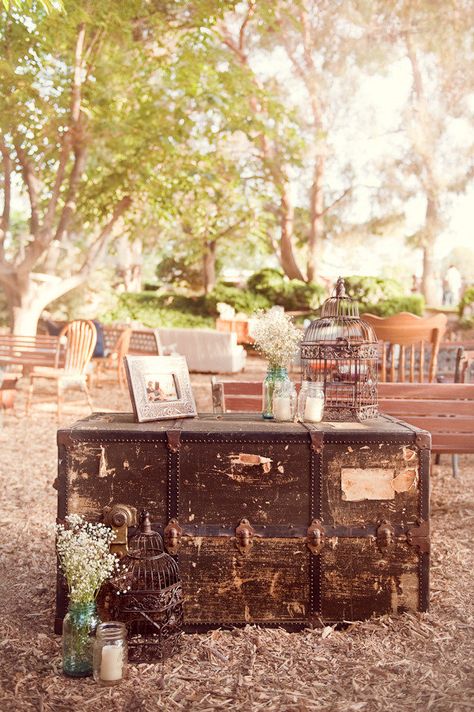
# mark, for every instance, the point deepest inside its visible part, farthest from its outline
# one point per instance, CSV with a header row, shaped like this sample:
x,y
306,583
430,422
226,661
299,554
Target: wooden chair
x,y
114,359
403,340
81,336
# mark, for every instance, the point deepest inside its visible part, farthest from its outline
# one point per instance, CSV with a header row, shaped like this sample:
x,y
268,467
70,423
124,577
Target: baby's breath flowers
x,y
84,556
276,337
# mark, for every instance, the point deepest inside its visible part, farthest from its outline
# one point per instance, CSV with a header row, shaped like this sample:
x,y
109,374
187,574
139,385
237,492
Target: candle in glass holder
x,y
313,409
282,408
284,400
111,664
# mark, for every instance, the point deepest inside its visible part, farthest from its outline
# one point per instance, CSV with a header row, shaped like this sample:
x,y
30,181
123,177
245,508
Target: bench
x,y
31,351
446,410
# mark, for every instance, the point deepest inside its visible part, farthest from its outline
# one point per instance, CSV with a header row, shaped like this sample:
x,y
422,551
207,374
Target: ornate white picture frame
x,y
160,388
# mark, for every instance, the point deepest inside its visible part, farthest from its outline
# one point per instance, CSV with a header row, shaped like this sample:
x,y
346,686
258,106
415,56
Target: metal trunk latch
x,y
419,536
120,517
315,537
173,533
244,533
385,535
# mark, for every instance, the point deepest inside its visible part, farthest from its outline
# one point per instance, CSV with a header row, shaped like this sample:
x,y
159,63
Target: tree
x,y
435,40
90,122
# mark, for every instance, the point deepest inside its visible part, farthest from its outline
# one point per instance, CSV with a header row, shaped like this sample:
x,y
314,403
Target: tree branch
x,y
328,208
71,134
32,185
97,249
7,192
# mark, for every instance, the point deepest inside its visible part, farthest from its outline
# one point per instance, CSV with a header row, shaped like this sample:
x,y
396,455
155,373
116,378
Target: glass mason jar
x,y
274,375
110,653
311,402
79,625
284,400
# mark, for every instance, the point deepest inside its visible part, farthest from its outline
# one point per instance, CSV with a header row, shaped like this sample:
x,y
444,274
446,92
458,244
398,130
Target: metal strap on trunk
x,y
316,464
173,436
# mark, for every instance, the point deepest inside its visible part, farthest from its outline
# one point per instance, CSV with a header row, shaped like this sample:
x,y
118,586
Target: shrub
x,y
268,281
372,290
467,302
291,294
413,303
243,300
155,310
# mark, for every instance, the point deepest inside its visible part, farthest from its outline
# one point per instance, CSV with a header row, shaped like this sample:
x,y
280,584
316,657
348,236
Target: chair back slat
x,y
81,336
399,331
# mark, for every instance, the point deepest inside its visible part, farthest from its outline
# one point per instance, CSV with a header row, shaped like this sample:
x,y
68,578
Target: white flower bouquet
x,y
276,337
84,556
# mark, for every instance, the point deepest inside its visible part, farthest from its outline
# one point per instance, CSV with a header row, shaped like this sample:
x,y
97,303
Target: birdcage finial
x,y
145,524
340,287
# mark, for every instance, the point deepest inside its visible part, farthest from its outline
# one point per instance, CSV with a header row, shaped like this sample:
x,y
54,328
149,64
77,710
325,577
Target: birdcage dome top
x,y
339,321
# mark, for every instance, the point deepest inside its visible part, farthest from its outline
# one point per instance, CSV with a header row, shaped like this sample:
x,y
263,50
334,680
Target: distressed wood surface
x,y
358,580
227,468
269,584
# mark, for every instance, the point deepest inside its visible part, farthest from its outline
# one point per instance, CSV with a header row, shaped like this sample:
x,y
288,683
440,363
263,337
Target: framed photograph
x,y
160,388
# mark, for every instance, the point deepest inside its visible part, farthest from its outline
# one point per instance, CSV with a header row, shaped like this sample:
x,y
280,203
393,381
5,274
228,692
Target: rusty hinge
x,y
385,535
172,535
315,537
419,536
120,517
244,533
174,437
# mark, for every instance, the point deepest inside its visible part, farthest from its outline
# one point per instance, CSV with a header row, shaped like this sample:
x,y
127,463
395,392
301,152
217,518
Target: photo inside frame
x,y
161,387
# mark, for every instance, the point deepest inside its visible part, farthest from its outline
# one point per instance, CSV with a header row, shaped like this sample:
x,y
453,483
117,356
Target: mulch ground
x,y
403,663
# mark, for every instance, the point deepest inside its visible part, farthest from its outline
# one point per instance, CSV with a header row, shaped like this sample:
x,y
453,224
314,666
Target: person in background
x,y
452,286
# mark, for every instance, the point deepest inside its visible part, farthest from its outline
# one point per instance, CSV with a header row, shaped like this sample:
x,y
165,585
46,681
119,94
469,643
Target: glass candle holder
x,y
110,653
311,402
284,400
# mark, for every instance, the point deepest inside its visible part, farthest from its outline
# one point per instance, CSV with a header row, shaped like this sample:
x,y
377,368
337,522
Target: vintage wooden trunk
x,y
272,523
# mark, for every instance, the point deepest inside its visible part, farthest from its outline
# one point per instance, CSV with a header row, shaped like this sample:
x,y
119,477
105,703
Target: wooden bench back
x,y
445,409
403,340
236,396
41,350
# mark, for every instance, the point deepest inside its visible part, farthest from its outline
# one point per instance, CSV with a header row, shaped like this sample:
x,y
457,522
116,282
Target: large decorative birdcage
x,y
340,351
147,597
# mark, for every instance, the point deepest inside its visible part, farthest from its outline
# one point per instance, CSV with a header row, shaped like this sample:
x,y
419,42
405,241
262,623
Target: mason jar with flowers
x,y
86,562
277,339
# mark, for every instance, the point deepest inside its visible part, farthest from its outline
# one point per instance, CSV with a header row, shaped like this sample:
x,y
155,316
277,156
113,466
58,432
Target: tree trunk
x,y
25,308
209,266
430,288
316,219
287,257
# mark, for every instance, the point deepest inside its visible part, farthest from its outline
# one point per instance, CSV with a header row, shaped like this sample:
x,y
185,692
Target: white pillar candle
x,y
111,663
313,410
282,408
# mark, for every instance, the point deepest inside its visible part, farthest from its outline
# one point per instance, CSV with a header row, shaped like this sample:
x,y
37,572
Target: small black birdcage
x,y
340,351
148,597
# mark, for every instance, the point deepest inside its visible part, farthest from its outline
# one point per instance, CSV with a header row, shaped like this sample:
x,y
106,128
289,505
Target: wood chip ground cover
x,y
403,663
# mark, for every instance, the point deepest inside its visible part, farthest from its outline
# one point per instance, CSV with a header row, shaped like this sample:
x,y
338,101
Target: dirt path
x,y
411,662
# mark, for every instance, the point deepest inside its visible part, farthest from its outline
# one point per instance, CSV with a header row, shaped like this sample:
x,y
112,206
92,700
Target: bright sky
x,y
379,101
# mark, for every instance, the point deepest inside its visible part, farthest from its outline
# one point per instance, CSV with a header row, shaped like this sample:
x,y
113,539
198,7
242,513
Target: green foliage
x,y
466,309
293,294
155,310
243,300
467,302
371,290
178,271
383,297
413,303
